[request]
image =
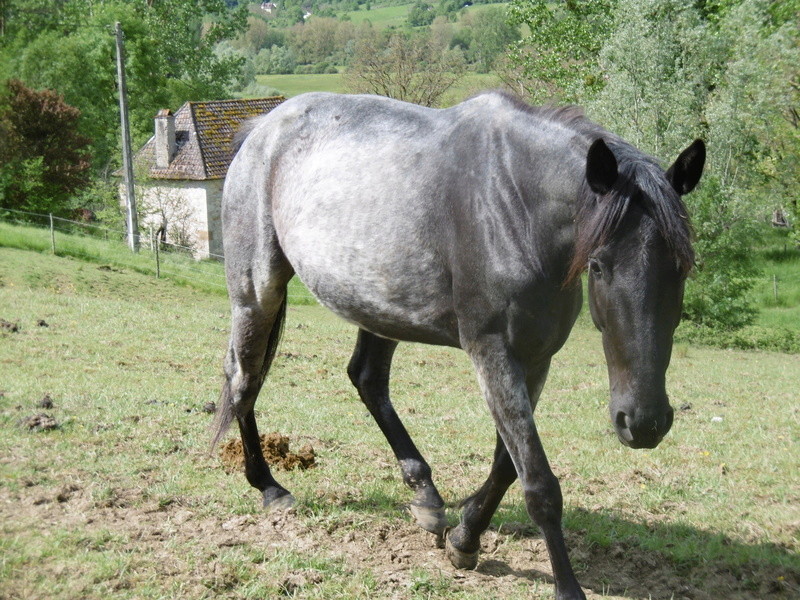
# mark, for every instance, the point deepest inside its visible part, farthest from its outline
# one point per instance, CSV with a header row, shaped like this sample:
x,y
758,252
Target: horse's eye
x,y
595,268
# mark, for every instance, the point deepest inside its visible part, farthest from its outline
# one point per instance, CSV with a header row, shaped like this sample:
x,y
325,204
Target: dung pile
x,y
275,447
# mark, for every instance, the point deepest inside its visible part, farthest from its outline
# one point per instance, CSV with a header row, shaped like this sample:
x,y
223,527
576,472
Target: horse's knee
x,y
365,379
355,372
544,501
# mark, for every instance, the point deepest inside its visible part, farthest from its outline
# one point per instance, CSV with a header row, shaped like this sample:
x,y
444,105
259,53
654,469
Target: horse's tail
x,y
245,129
225,409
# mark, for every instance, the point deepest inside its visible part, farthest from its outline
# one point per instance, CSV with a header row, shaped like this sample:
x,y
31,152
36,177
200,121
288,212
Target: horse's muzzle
x,y
642,429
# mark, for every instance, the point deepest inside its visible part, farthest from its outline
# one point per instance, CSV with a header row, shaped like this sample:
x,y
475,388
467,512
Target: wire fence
x,y
98,243
90,241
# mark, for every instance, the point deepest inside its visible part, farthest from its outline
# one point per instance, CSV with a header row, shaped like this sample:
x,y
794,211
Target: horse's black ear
x,y
685,173
601,167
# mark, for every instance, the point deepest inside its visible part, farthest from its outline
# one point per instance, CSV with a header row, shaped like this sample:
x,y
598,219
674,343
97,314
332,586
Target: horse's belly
x,y
395,291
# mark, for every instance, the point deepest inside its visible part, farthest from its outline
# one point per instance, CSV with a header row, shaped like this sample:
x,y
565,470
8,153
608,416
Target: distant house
x,y
180,170
268,7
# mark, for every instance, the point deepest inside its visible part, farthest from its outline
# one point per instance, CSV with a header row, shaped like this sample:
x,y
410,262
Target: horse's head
x,y
636,239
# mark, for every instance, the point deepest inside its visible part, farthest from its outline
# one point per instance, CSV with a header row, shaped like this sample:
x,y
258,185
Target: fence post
x,y
157,244
52,235
775,287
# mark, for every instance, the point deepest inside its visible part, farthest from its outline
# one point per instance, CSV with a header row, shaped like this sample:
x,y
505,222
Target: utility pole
x,y
127,156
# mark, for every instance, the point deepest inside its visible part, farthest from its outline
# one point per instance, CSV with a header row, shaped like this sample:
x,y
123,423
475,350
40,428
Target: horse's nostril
x,y
628,422
622,420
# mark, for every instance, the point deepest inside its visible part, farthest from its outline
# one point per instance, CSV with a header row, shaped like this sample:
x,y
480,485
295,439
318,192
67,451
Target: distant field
x,y
293,85
395,16
382,17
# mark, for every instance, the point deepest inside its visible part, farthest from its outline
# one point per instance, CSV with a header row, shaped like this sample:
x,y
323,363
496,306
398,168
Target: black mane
x,y
598,218
641,179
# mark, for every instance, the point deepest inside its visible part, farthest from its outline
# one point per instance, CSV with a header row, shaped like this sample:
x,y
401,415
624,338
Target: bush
x,y
778,339
716,293
319,68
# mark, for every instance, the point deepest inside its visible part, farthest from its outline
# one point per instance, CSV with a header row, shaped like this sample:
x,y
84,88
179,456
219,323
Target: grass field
x,y
395,16
383,16
123,499
777,289
293,85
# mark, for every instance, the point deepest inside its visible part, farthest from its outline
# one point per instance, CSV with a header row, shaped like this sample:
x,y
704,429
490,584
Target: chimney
x,y
165,138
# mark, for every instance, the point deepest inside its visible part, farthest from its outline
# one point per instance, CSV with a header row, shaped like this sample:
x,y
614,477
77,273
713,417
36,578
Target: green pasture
x,y
381,17
293,85
777,289
122,498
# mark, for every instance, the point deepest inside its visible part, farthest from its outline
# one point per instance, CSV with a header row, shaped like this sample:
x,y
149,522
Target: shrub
x,y
780,339
716,294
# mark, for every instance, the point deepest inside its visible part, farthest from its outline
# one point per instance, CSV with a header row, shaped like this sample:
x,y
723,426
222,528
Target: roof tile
x,y
204,137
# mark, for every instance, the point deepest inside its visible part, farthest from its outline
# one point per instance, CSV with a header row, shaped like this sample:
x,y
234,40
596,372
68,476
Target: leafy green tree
x,y
44,161
558,59
716,293
313,41
420,14
275,61
752,113
70,47
650,64
490,35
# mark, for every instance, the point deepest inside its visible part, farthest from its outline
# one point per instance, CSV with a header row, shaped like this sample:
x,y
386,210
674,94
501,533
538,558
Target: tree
x,y
44,159
651,67
558,60
69,47
491,34
420,14
406,67
716,293
752,113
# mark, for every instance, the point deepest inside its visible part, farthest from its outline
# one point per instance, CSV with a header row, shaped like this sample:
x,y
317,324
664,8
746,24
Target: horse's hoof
x,y
432,520
278,502
459,559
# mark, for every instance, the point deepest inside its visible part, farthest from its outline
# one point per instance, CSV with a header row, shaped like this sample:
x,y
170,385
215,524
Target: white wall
x,y
192,211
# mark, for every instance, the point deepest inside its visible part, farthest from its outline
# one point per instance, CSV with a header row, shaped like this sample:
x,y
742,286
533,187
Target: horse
x,y
467,227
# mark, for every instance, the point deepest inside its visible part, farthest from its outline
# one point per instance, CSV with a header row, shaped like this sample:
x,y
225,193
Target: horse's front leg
x,y
503,383
464,541
369,371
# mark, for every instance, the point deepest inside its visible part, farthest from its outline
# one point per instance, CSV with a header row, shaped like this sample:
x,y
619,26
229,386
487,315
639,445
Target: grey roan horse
x,y
465,227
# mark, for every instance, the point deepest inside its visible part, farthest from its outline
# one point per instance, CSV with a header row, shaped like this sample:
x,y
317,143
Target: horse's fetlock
x,y
416,474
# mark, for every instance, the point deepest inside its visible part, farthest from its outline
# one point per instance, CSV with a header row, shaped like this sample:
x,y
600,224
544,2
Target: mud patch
x,y
40,422
9,327
275,447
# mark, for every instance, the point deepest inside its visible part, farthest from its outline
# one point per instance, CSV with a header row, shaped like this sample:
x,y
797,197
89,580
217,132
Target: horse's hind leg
x,y
257,321
369,371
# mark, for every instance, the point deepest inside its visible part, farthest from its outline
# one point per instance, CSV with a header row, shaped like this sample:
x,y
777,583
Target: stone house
x,y
180,170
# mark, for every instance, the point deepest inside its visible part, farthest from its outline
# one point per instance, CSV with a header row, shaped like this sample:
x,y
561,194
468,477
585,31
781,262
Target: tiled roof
x,y
204,136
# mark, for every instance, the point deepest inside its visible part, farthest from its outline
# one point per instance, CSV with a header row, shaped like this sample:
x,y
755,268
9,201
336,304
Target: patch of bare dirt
x,y
513,563
9,327
40,422
276,451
